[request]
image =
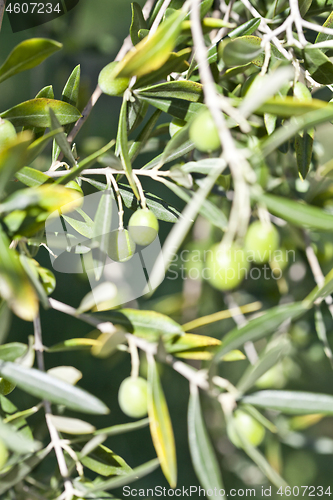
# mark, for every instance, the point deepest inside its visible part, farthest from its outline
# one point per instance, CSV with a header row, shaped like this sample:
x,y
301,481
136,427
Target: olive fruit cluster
x,y
142,230
227,267
7,133
132,397
248,427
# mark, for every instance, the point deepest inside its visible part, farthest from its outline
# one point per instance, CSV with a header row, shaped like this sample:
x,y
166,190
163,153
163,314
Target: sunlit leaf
x,y
160,425
27,55
44,386
202,452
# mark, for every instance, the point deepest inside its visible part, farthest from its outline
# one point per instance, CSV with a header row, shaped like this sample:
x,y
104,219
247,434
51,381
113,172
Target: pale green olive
x,y
261,241
226,266
204,133
248,427
132,397
121,245
7,133
143,227
109,83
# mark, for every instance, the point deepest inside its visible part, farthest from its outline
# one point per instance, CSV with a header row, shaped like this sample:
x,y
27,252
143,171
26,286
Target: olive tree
x,y
225,97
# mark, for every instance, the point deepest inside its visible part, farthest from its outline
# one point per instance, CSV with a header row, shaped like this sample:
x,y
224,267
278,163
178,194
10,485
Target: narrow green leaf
x,y
176,142
105,462
208,210
70,93
160,425
178,153
15,441
44,386
144,135
61,138
202,452
259,327
321,332
303,149
32,177
291,402
266,361
297,213
181,89
295,125
179,108
138,23
304,6
152,52
318,65
122,140
12,351
35,113
118,482
71,425
13,158
15,287
32,273
177,63
85,227
242,50
114,430
48,93
149,325
5,321
27,55
323,37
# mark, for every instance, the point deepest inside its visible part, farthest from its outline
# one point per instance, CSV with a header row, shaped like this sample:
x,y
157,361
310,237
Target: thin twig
x,y
316,270
55,439
240,212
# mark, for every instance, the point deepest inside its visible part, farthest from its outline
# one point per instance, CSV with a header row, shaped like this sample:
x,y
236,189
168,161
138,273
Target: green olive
x,y
110,84
175,125
261,241
6,387
204,133
121,245
143,227
248,427
132,397
3,454
226,266
7,133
